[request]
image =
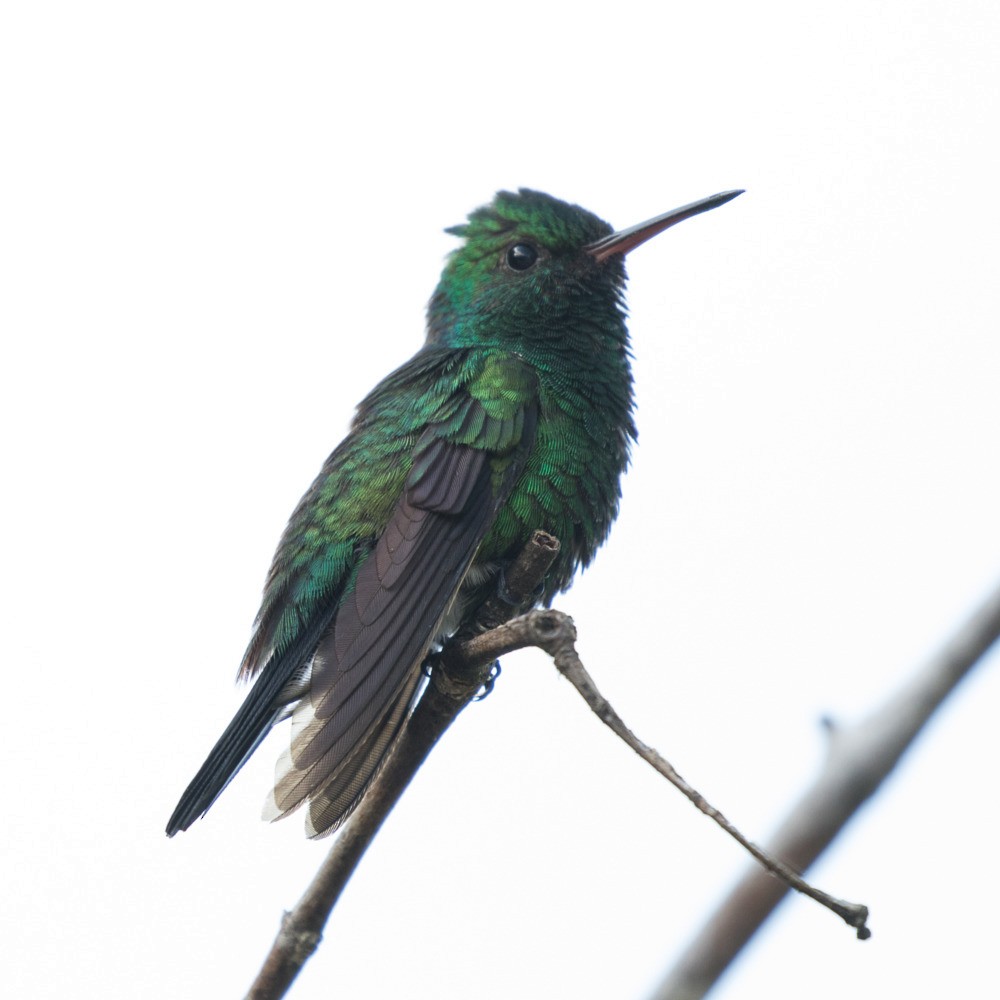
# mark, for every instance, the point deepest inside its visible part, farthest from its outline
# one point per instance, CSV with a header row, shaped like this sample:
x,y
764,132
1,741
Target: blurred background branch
x,y
859,759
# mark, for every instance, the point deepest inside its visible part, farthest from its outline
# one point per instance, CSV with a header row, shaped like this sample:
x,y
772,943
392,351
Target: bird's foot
x,y
487,689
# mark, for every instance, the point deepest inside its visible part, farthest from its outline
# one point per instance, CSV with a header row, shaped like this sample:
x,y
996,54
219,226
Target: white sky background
x,y
219,225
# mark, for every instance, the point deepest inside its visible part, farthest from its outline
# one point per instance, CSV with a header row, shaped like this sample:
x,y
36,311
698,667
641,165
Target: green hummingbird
x,y
515,415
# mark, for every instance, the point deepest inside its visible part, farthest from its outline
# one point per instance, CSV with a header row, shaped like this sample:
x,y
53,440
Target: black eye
x,y
521,256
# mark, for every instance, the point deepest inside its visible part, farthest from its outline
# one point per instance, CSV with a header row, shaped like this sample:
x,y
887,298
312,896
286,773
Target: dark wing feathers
x,y
354,621
336,800
367,666
447,476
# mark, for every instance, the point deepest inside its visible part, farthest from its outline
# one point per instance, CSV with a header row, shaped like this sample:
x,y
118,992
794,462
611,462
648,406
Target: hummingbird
x,y
515,415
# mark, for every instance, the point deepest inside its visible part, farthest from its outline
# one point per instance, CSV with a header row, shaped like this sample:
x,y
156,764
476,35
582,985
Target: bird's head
x,y
530,263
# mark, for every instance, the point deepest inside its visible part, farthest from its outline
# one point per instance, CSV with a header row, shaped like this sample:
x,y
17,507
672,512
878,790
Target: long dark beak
x,y
628,239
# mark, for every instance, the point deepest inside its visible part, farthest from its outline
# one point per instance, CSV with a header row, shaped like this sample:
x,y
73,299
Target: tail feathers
x,y
252,722
334,785
213,777
283,678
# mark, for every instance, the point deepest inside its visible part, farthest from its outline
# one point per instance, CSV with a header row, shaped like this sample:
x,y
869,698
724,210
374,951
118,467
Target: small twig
x,y
522,580
555,633
860,758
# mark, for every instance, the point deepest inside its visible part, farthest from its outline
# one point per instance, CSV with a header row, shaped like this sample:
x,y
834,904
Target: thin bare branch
x,y
860,758
554,632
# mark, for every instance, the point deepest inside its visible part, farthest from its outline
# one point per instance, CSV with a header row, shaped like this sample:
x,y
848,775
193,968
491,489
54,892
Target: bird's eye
x,y
521,256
